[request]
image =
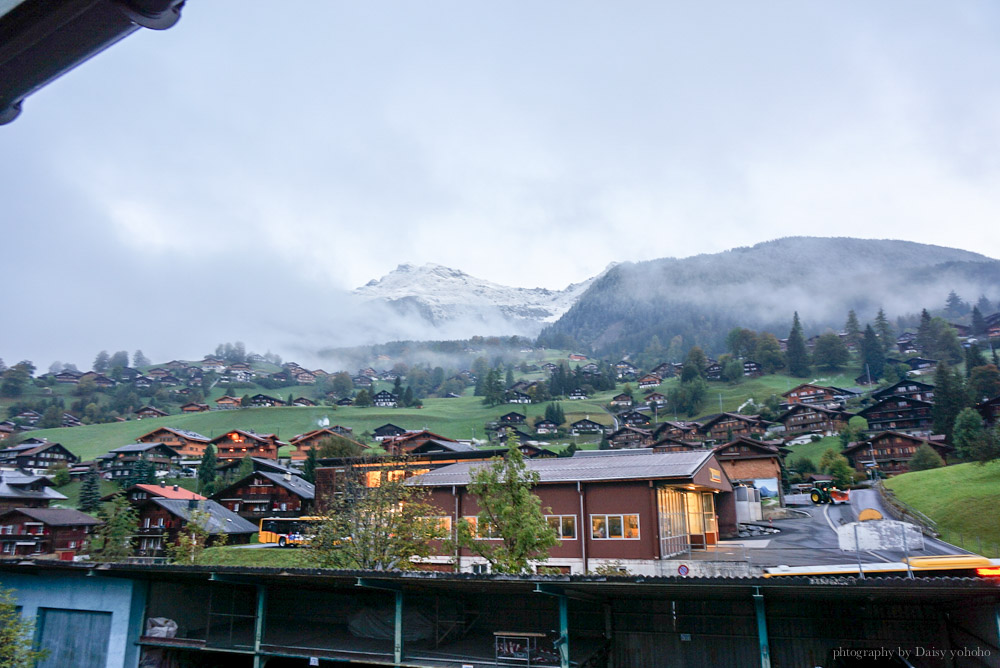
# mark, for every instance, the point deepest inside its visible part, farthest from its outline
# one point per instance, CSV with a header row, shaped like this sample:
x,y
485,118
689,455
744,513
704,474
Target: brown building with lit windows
x,y
238,444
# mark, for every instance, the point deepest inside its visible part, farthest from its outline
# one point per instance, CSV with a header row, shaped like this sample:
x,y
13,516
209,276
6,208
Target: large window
x,y
483,531
564,526
614,527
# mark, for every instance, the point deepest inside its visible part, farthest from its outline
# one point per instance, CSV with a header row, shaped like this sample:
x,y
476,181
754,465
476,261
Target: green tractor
x,y
825,491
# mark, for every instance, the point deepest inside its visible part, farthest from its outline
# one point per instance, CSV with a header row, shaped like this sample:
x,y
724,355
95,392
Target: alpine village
x,y
535,506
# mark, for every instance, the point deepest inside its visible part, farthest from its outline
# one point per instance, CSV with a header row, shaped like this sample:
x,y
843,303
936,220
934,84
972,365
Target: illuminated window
x,y
614,527
564,525
486,531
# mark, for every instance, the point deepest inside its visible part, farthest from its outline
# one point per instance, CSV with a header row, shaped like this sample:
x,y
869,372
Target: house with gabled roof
x,y
512,418
891,451
265,401
19,489
990,410
37,457
195,407
670,444
545,426
303,402
899,413
802,418
268,494
622,400
657,399
810,393
630,437
386,431
303,443
385,399
228,403
912,389
625,369
650,380
577,395
239,443
67,376
677,429
517,397
161,521
147,412
663,370
188,444
37,531
633,419
725,427
121,463
586,426
749,460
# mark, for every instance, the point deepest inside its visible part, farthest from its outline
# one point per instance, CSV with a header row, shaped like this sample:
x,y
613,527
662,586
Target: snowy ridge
x,y
441,294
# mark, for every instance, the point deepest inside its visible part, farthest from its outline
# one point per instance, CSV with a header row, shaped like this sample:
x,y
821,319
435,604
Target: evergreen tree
x,y
883,328
245,469
408,398
972,440
925,458
954,306
101,362
17,635
140,360
309,467
206,469
872,354
853,329
363,399
984,305
90,493
973,357
397,386
984,383
121,522
797,355
509,378
978,322
118,360
768,353
949,399
924,336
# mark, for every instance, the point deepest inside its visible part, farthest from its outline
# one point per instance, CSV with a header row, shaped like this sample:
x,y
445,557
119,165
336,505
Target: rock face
x,y
441,295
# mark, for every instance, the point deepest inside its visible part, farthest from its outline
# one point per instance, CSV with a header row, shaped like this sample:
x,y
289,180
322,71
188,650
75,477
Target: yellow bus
x,y
287,531
945,565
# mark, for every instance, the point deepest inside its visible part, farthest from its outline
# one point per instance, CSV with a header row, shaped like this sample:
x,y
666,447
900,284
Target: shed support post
x,y
258,625
765,648
563,632
397,646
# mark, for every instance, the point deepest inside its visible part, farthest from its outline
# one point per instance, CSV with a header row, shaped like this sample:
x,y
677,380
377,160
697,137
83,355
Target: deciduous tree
x,y
925,458
17,635
830,351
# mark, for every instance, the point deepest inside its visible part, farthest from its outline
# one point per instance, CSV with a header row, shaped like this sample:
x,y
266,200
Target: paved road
x,y
812,539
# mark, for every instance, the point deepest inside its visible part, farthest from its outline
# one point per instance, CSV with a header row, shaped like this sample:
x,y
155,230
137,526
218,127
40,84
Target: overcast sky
x,y
231,177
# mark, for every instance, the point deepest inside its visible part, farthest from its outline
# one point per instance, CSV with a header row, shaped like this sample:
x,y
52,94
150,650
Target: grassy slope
x,y
963,500
813,451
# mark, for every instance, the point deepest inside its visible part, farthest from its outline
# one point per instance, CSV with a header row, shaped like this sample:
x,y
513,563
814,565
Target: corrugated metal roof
x,y
632,465
220,518
292,483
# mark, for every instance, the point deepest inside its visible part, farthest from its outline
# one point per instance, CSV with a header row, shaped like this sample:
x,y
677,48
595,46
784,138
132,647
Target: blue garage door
x,y
77,638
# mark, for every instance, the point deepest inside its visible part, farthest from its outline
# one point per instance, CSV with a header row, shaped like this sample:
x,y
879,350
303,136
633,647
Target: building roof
x,y
142,447
169,491
592,465
220,518
184,433
16,485
293,483
61,517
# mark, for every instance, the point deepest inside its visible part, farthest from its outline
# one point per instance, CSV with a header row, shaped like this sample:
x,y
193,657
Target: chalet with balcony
x,y
625,369
663,370
621,401
420,441
911,389
808,393
162,519
713,371
517,397
121,463
656,399
228,403
801,418
727,426
921,365
188,444
195,407
624,497
70,420
345,401
891,451
303,402
303,443
512,418
504,431
586,426
668,444
630,437
143,383
385,399
37,457
362,382
649,381
267,494
67,376
896,413
678,430
170,380
158,373
148,412
265,401
386,431
544,426
214,365
304,377
38,531
752,369
28,417
577,395
634,419
19,489
238,444
100,380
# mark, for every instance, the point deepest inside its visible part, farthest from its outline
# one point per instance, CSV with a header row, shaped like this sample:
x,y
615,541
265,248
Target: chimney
x,y
192,504
288,476
176,488
162,484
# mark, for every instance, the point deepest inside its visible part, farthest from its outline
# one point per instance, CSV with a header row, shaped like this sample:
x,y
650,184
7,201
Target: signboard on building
x,y
880,535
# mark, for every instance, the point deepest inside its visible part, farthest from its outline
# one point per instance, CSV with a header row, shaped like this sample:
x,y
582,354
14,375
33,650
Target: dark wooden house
x,y
891,451
37,531
897,413
268,494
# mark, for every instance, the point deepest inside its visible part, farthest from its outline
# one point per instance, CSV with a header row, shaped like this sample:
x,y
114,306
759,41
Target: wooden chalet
x,y
621,401
363,382
67,376
228,403
630,437
678,430
345,401
421,441
188,444
891,451
752,369
195,407
633,419
238,444
211,364
590,369
911,389
814,418
303,402
147,412
663,370
990,410
385,399
265,401
897,413
170,380
586,426
143,383
512,418
906,343
162,519
649,381
304,377
503,432
550,367
517,397
268,494
577,395
70,420
158,373
28,417
532,451
726,426
303,443
386,431
631,508
669,444
19,489
122,463
37,457
921,364
100,380
713,371
7,429
544,426
625,369
808,393
747,460
38,531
